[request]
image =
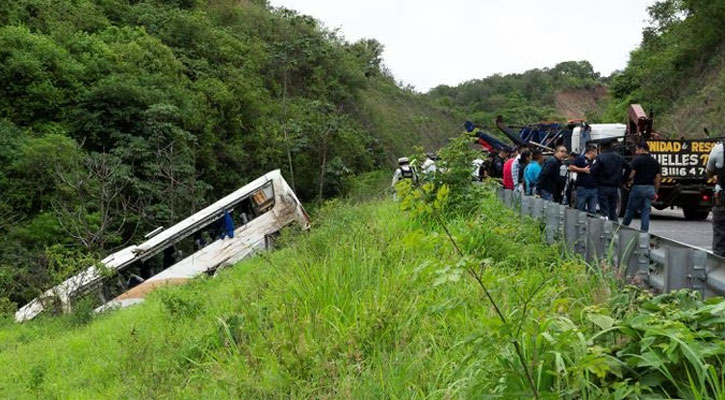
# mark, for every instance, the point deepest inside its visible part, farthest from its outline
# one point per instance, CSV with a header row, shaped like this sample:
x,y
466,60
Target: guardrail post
x,y
562,219
643,258
538,208
525,200
678,262
581,229
627,252
607,238
595,245
516,199
570,229
698,275
552,222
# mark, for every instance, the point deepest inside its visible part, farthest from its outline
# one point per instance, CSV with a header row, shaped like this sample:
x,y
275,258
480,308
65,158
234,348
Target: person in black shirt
x,y
646,176
549,177
586,185
609,170
496,170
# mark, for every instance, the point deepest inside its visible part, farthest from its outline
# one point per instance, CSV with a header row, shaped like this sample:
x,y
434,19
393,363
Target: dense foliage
x,y
520,98
677,70
119,116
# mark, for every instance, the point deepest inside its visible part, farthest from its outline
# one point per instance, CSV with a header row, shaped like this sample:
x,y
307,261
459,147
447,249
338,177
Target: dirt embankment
x,y
575,104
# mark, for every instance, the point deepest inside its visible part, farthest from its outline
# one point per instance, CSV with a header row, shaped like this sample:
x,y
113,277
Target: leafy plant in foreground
x,y
431,199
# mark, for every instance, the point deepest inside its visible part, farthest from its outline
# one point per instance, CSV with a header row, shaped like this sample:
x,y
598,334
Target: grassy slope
x,y
349,310
703,106
402,119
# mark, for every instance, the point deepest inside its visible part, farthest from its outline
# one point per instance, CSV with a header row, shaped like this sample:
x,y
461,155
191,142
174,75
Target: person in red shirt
x,y
508,180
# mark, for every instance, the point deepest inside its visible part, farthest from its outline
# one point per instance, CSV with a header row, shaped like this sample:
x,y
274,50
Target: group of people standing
x,y
593,178
406,171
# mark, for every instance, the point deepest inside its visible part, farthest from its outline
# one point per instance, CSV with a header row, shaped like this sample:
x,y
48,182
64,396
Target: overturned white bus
x,y
261,208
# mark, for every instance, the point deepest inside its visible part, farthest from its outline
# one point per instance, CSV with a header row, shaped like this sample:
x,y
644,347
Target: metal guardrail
x,y
661,263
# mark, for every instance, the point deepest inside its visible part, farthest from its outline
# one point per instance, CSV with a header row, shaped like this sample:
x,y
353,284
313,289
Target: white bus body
x,y
274,201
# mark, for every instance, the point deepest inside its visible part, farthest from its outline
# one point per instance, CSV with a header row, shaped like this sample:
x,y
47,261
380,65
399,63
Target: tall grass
x,y
354,309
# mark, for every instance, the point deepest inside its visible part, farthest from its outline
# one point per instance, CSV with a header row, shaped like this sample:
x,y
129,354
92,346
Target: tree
x,y
94,208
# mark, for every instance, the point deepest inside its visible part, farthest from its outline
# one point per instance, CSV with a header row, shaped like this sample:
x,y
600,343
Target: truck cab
x,y
684,180
580,135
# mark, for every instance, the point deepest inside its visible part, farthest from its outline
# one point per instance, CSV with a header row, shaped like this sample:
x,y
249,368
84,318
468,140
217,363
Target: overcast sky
x,y
428,43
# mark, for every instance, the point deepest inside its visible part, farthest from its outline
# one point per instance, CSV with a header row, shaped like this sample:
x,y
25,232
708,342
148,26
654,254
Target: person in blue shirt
x,y
532,171
586,185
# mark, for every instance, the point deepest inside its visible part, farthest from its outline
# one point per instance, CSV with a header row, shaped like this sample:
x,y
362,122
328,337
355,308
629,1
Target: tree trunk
x,y
322,168
284,128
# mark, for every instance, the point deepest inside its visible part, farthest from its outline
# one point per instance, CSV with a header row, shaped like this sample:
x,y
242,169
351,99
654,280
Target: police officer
x,y
429,165
609,170
716,167
404,171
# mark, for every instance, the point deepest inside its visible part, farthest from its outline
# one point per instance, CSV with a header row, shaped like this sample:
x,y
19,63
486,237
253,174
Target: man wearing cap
x,y
645,176
716,168
429,165
404,171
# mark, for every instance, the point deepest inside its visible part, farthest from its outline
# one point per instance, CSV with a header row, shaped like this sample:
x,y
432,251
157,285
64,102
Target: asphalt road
x,y
672,224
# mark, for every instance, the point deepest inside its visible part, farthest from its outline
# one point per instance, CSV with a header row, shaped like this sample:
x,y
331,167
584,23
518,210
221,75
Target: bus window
x,y
264,198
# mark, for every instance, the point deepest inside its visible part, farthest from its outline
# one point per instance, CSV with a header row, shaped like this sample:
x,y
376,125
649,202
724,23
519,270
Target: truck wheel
x,y
695,213
622,203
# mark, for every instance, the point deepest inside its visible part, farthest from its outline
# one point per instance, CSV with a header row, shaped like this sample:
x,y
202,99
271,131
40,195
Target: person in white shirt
x,y
404,171
429,165
515,167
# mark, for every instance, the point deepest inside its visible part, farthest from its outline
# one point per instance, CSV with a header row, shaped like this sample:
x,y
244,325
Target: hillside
x,y
117,117
702,107
677,71
568,90
580,103
402,119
